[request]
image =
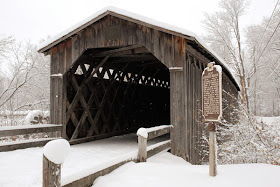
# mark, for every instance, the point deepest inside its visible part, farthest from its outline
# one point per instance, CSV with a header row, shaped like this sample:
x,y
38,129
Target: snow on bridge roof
x,y
164,27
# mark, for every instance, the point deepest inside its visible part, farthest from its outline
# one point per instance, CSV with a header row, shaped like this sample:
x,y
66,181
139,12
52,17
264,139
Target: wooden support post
x,y
142,148
51,173
212,149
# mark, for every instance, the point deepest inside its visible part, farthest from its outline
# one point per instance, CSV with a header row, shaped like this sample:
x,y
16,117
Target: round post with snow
x,y
54,155
142,144
212,108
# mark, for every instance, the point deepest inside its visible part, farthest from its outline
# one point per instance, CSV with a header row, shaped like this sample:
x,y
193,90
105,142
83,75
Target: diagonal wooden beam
x,y
83,84
83,68
114,98
100,108
73,117
86,113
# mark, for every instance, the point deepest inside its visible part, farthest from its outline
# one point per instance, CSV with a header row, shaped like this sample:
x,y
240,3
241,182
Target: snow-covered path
x,y
24,167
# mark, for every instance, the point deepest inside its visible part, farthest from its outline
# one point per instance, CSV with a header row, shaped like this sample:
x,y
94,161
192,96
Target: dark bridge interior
x,y
114,91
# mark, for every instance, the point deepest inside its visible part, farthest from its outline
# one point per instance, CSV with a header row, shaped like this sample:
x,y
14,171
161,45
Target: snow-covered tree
x,y
264,77
224,36
25,82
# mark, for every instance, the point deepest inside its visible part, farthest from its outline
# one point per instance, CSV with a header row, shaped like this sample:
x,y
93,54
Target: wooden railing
x,y
145,134
144,152
54,130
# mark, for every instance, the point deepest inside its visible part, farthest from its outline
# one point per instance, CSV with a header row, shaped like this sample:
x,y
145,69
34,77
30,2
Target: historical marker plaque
x,y
212,92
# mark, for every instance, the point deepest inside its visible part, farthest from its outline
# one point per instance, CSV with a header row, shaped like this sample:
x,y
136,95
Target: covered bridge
x,y
117,71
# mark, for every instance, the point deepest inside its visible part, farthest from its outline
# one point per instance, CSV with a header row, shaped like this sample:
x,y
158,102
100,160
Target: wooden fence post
x,y
51,173
55,152
142,148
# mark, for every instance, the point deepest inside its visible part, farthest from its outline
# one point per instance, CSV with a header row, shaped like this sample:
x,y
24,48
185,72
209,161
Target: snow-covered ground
x,y
24,167
269,120
165,170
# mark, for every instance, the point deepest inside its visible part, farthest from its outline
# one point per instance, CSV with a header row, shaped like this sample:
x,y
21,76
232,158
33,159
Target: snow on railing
x,y
54,131
145,134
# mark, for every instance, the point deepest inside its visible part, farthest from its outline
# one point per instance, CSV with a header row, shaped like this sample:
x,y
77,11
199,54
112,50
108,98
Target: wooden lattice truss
x,y
115,91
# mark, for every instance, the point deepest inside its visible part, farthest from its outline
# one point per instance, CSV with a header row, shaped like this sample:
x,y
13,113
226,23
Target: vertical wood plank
x,y
54,86
189,109
51,173
61,69
142,149
184,131
192,111
75,48
172,113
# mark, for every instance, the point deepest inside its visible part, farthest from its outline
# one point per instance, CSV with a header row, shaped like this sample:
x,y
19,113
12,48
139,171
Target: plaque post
x,y
212,149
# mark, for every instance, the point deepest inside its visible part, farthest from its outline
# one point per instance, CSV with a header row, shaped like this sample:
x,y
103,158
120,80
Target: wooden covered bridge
x,y
117,71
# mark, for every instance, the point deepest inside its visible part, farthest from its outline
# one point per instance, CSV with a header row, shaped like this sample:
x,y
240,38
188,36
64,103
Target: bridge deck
x,y
24,167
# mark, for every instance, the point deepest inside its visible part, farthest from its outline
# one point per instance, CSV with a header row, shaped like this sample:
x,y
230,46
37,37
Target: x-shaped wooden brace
x,y
79,90
101,105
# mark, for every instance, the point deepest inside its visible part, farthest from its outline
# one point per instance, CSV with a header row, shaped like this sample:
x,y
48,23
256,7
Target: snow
x,y
56,151
88,171
274,121
152,147
176,68
157,128
145,131
24,141
34,113
8,112
103,12
25,126
142,132
24,167
218,68
57,75
165,170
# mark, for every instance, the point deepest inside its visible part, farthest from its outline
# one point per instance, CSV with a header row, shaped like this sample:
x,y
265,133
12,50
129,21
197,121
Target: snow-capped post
x,y
142,144
212,108
54,155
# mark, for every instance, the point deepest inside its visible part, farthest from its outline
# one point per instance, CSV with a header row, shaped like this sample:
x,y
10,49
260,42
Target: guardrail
x,y
144,152
28,129
145,134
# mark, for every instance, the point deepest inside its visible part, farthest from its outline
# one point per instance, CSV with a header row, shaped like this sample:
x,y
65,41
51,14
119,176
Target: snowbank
x,y
57,150
165,170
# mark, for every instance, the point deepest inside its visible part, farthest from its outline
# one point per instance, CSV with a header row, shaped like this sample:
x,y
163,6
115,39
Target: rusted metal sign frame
x,y
217,68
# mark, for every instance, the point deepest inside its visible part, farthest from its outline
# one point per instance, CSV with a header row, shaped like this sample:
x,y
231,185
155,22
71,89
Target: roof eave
x,y
221,63
46,48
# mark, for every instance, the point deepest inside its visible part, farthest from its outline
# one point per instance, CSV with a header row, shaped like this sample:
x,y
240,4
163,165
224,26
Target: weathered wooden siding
x,y
131,34
193,121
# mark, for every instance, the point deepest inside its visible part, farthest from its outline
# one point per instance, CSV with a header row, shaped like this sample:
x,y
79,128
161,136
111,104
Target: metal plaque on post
x,y
212,92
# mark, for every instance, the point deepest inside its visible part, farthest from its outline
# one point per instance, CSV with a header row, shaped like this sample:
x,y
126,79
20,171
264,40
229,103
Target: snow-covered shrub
x,y
36,117
245,140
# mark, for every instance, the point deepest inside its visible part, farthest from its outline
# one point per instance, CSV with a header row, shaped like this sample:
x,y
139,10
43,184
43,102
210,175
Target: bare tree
x,y
224,36
5,43
27,82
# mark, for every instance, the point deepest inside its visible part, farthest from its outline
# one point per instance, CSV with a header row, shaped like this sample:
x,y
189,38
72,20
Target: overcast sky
x,y
37,19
